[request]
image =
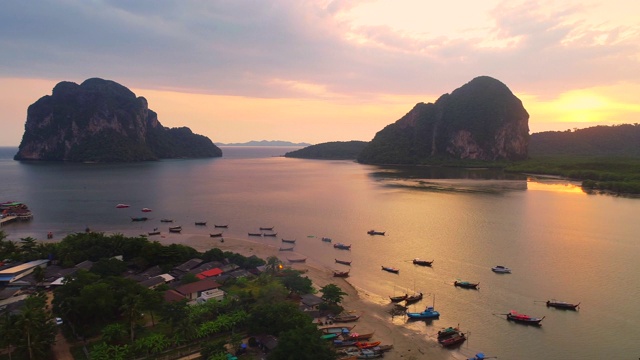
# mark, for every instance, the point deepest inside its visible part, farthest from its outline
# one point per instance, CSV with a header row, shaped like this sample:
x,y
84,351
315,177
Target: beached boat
x,y
216,235
220,226
146,210
373,232
358,337
399,298
293,241
367,345
417,261
175,227
122,206
428,313
286,249
201,223
501,269
453,339
342,246
446,332
344,343
345,318
343,262
382,348
166,220
413,298
390,269
139,218
326,239
270,234
297,260
523,319
369,354
337,329
150,233
466,284
562,305
341,273
482,356
255,234
175,230
269,228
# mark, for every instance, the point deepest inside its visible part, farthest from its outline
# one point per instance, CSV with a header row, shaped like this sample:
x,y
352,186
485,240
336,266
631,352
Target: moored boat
x,y
122,206
341,273
166,220
343,343
139,218
523,319
455,339
501,269
399,298
255,234
367,345
297,260
466,284
270,234
153,233
446,332
342,246
390,269
428,313
292,241
343,262
417,261
286,249
358,337
369,354
562,305
269,228
326,239
216,235
146,210
382,348
345,318
201,223
373,232
176,230
220,226
413,298
337,329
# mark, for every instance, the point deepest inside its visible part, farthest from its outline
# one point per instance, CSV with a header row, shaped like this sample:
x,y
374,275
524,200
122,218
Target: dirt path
x,y
61,347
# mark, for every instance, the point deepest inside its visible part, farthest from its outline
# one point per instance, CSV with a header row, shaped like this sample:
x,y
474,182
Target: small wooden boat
x,y
297,260
342,246
343,262
373,232
139,218
343,343
445,333
466,284
176,230
391,269
326,239
341,273
293,241
216,235
399,298
270,234
286,249
153,233
367,345
267,228
382,348
413,298
428,313
337,329
146,210
523,319
220,226
358,337
501,269
255,234
562,305
417,261
201,223
452,340
346,318
368,354
328,336
166,220
122,206
175,227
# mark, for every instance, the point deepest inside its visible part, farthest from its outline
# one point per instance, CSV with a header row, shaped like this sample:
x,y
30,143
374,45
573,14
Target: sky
x,y
319,70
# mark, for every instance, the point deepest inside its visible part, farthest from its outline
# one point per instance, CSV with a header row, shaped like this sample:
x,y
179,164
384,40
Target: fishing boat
x,y
399,298
369,354
337,329
343,262
201,223
297,260
345,318
122,206
417,261
523,319
216,235
454,339
286,249
150,233
328,336
373,232
382,348
562,305
466,284
140,218
343,343
146,210
220,226
367,345
175,227
446,332
175,230
270,234
501,269
341,273
413,298
428,313
326,239
358,337
342,246
390,269
255,234
166,220
293,241
269,228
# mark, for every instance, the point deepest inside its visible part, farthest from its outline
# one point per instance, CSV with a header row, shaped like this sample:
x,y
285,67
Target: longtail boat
x,y
255,234
267,228
417,261
297,260
343,262
562,305
413,298
373,232
523,319
367,345
286,249
221,226
466,284
346,318
452,340
390,269
337,329
293,241
398,298
215,235
341,273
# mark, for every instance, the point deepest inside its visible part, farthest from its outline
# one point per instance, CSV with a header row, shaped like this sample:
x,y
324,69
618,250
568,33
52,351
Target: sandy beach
x,y
407,344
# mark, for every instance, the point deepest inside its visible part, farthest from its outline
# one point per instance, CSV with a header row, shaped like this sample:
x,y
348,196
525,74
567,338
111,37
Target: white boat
x,y
501,269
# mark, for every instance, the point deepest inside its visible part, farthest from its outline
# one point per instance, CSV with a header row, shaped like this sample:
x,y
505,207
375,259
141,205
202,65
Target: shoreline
x,y
407,344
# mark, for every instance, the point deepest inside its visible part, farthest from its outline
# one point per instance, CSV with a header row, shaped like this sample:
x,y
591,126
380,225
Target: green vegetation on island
x,y
336,150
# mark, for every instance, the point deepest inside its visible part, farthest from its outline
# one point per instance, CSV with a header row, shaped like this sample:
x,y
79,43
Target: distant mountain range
x,y
265,143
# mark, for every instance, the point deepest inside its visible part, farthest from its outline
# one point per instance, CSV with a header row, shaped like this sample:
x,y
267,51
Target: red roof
x,y
209,273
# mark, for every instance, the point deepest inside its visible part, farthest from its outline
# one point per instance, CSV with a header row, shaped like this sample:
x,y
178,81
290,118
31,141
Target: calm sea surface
x,y
561,243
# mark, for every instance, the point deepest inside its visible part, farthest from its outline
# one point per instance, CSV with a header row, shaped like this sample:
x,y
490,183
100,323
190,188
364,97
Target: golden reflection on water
x,y
562,186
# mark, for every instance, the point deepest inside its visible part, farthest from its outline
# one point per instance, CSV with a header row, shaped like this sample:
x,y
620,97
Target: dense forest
x,y
336,150
617,141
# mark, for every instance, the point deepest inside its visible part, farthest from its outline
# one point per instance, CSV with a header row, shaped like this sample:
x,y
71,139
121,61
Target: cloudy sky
x,y
320,70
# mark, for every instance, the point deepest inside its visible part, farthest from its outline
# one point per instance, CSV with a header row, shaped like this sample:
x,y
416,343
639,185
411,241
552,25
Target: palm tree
x,y
273,265
38,275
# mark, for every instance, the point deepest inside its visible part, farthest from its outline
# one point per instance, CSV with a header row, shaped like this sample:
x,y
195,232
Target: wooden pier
x,y
8,219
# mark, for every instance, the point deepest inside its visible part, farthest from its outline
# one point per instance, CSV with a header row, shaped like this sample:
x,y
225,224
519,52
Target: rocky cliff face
x,y
101,120
481,120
